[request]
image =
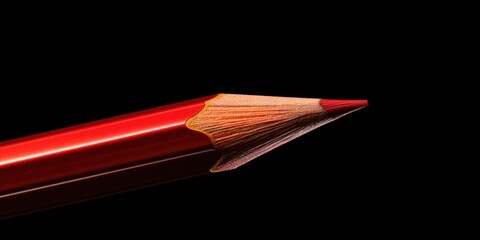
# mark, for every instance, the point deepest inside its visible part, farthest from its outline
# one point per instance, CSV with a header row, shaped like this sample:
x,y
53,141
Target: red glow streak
x,y
81,144
91,135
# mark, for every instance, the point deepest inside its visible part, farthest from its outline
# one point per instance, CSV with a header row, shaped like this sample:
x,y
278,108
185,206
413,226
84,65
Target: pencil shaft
x,y
103,157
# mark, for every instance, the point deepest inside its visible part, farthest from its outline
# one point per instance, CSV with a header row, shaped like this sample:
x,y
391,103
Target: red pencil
x,y
159,145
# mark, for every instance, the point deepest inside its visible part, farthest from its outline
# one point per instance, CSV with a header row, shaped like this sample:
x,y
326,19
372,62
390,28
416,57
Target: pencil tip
x,y
337,108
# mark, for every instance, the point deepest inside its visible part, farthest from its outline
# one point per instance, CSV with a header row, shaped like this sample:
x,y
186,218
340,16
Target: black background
x,y
337,176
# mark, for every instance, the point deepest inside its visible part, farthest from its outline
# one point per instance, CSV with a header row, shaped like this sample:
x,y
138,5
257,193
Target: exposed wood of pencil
x,y
168,143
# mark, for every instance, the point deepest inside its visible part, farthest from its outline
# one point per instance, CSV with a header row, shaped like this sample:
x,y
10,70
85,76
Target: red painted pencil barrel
x,y
103,157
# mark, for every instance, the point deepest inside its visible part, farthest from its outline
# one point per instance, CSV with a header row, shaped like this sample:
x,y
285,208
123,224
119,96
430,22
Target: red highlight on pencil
x,y
164,144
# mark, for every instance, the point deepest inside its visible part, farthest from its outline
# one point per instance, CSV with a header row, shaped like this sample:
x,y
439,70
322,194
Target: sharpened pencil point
x,y
337,108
